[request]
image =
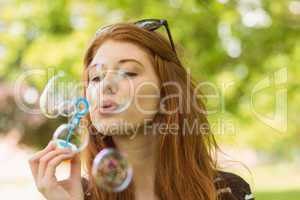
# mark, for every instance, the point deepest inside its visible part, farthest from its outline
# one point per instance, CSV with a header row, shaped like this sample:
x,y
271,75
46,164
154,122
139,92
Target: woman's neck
x,y
140,153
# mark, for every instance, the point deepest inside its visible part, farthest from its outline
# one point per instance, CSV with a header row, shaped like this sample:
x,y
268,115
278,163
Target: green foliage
x,y
278,195
55,33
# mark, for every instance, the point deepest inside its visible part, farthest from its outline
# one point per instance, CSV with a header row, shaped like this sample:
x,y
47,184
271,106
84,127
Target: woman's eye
x,y
124,74
131,74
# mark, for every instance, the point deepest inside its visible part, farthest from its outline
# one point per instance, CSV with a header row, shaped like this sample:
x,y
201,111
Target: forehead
x,y
111,51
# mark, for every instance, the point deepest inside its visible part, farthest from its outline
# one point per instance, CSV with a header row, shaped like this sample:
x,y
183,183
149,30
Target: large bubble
x,y
62,97
111,170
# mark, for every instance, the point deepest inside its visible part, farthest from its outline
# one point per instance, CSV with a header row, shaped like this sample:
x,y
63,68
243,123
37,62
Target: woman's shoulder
x,y
230,184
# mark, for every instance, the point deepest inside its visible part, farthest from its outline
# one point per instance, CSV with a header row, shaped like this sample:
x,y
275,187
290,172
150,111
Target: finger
x,y
51,167
76,167
46,158
34,160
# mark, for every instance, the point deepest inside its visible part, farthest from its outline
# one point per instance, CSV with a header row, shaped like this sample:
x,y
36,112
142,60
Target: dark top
x,y
229,187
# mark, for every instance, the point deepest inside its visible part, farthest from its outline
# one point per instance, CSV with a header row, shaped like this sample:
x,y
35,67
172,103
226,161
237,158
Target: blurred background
x,y
247,52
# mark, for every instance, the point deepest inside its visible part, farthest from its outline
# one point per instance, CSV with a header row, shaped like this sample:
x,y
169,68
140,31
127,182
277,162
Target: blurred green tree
x,y
232,44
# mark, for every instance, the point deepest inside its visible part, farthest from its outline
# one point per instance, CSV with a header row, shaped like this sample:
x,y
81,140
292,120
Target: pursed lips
x,y
107,106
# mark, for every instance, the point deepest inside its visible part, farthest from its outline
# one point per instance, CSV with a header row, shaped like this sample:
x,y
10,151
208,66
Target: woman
x,y
174,162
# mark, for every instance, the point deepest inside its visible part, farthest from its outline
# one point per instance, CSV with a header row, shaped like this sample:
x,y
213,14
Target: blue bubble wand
x,y
76,119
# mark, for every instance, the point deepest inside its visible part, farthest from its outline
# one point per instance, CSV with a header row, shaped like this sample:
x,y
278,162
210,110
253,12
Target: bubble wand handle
x,y
80,112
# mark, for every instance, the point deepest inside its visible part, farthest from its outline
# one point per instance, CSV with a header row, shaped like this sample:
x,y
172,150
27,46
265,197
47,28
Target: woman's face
x,y
123,89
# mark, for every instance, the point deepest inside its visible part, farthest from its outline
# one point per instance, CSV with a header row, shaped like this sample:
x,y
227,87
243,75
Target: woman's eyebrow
x,y
120,61
131,60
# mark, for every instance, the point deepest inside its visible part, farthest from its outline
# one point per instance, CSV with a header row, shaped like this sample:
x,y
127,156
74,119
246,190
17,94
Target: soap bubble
x,y
69,136
111,170
62,97
59,96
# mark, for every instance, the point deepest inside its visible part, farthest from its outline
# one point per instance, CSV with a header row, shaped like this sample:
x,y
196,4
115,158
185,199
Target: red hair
x,y
187,166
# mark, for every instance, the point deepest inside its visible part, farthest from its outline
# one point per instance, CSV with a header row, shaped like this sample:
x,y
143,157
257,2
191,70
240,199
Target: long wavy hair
x,y
187,160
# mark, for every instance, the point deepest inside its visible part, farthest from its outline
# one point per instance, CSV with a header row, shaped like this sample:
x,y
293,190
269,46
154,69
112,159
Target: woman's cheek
x,y
147,98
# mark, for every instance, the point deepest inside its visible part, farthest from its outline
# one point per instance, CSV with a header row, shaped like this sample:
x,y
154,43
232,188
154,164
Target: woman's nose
x,y
110,83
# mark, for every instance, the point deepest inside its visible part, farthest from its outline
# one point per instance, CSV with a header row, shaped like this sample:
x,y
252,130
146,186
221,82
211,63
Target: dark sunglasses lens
x,y
150,25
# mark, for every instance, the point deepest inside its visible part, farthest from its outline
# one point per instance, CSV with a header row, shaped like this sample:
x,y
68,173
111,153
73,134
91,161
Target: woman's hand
x,y
43,166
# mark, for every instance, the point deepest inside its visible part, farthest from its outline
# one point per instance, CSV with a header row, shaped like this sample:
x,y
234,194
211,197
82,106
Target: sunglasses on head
x,y
150,25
